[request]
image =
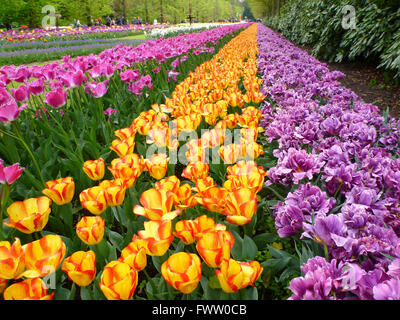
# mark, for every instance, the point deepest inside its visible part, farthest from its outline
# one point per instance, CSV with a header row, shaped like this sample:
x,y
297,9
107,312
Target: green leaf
x,y
237,249
86,294
249,248
213,282
261,240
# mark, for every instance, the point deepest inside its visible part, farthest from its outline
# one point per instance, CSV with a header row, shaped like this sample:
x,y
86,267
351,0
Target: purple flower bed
x,y
340,157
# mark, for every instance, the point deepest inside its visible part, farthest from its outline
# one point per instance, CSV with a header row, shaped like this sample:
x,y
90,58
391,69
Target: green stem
x,y
151,281
5,193
326,252
21,139
74,136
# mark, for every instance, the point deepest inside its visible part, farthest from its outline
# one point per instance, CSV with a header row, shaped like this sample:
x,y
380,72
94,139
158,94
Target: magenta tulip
x,y
56,98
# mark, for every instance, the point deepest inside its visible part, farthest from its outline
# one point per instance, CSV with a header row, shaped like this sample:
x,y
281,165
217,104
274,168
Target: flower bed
x,y
337,175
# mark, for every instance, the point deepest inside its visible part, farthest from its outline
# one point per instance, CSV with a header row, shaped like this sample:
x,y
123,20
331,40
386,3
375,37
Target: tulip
x,y
97,89
21,94
157,205
186,230
213,199
196,171
171,183
182,271
125,133
29,289
157,236
9,174
91,230
43,256
123,147
118,281
202,185
94,169
80,267
232,153
135,255
61,191
94,200
204,224
56,98
241,205
11,260
127,168
215,247
114,191
30,215
10,111
157,165
234,275
185,198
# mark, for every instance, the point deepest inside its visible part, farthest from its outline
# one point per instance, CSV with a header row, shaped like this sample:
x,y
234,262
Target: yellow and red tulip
x,y
185,199
43,256
157,165
157,235
80,267
196,171
114,191
29,289
157,205
171,183
135,254
61,191
11,260
30,215
94,200
91,230
94,169
215,247
118,281
186,231
240,206
123,147
182,271
127,168
234,275
213,199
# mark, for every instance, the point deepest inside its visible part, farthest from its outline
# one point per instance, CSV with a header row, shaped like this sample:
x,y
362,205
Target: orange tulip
x,y
94,200
61,191
185,198
123,147
30,215
186,230
241,205
234,275
80,267
91,230
135,255
202,185
11,260
157,235
157,165
157,205
29,289
215,246
232,153
182,271
114,191
196,171
43,256
94,169
125,133
118,281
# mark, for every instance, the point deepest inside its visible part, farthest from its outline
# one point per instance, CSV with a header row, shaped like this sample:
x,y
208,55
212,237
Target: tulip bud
x,y
29,289
43,256
91,230
80,267
94,169
182,271
118,281
94,200
61,191
30,215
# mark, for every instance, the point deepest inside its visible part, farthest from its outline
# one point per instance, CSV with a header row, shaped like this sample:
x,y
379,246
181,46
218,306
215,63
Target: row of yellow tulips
x,y
207,94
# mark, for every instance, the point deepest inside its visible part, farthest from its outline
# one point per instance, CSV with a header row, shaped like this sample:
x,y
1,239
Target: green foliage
x,y
318,24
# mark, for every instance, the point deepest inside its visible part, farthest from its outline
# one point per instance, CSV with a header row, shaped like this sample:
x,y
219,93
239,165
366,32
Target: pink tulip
x,y
110,111
130,75
21,94
36,87
97,90
56,98
9,174
74,79
10,111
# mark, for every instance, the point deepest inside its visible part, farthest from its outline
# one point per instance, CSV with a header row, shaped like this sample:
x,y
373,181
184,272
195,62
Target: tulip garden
x,y
224,164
